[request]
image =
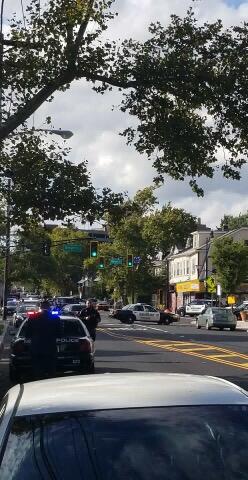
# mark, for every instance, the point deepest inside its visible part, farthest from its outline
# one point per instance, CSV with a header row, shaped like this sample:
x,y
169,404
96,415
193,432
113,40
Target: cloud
x,y
96,127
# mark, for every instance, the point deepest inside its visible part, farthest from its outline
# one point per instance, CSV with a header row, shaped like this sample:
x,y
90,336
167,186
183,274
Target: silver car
x,y
135,426
217,317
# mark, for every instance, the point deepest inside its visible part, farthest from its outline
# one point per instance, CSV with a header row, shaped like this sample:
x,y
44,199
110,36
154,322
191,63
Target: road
x,y
178,348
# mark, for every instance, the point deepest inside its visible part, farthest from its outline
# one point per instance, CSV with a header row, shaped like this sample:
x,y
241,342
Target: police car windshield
x,y
72,328
68,328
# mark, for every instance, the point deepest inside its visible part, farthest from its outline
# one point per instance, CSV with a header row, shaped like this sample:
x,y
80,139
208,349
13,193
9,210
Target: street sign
x,y
72,248
136,260
116,261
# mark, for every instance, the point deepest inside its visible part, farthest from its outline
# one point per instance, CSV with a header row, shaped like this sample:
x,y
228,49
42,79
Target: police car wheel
x,y
130,320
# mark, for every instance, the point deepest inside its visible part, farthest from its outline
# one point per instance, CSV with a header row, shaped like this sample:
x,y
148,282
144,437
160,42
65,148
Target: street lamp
x,y
65,134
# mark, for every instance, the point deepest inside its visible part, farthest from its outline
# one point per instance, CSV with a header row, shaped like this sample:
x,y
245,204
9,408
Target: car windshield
x,y
76,308
27,308
222,311
173,443
11,304
68,328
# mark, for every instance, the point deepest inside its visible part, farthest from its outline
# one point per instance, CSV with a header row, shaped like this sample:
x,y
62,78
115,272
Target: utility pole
x,y
7,251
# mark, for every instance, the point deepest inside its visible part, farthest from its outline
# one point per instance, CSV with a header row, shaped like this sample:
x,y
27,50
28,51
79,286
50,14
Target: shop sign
x,y
191,286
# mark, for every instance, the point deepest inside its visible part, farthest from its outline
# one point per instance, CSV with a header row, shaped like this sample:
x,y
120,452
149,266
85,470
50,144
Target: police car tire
x,y
130,320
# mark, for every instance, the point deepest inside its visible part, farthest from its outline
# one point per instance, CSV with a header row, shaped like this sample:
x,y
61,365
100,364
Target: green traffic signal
x,y
101,265
130,261
93,249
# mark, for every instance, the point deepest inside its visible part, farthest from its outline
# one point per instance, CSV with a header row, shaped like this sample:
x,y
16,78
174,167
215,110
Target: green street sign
x,y
72,248
116,261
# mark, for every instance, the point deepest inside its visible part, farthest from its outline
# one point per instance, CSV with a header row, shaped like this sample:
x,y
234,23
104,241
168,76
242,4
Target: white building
x,y
189,267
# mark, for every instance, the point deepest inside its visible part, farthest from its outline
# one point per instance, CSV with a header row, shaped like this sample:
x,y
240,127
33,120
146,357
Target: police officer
x,y
43,330
91,317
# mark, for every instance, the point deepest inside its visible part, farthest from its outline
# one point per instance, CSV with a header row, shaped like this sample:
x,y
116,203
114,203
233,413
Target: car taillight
x,y
85,345
18,347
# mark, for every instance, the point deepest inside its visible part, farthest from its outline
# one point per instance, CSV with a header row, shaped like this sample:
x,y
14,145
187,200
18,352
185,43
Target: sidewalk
x,y
242,325
3,330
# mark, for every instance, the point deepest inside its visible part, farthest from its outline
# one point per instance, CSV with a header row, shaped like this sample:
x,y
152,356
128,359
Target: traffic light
x,y
46,248
130,260
93,249
101,265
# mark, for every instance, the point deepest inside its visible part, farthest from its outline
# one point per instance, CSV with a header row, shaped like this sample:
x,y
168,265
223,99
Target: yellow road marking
x,y
219,355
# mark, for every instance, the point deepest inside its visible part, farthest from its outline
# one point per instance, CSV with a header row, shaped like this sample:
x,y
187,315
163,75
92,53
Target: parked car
x,y
75,350
217,317
11,307
102,305
21,313
240,308
198,306
125,426
73,309
62,301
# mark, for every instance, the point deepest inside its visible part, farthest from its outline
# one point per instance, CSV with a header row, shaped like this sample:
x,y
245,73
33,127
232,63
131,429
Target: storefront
x,y
188,291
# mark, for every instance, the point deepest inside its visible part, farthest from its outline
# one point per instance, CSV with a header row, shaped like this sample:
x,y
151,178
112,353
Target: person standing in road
x,y
43,330
91,317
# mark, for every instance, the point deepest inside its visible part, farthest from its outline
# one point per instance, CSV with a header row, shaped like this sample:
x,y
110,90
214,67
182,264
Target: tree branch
x,y
112,81
24,112
83,26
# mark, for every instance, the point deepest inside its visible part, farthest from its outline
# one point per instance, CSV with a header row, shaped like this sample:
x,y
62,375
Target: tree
x,y
141,230
231,262
57,273
233,222
47,186
186,85
168,227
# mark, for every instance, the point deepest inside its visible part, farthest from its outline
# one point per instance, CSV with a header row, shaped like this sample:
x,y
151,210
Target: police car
x,y
143,313
75,350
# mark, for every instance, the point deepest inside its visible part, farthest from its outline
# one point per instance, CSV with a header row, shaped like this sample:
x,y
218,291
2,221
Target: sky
x,y
96,127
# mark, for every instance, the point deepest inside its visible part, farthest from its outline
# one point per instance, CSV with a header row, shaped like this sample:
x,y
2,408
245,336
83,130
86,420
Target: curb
x,y
2,337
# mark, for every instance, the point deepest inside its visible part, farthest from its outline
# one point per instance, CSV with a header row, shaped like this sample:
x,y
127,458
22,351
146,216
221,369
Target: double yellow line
x,y
201,350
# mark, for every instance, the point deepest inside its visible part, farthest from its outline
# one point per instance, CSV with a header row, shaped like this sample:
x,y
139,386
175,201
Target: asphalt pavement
x,y
177,348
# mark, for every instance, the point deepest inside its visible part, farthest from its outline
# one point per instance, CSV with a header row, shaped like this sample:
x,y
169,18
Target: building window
x,y
180,268
187,267
177,268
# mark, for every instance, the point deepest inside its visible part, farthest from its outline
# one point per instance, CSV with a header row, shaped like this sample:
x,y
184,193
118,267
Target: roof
x,y
126,390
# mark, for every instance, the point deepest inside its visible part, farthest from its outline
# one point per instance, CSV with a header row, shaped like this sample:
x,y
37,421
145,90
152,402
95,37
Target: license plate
x,y
76,362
